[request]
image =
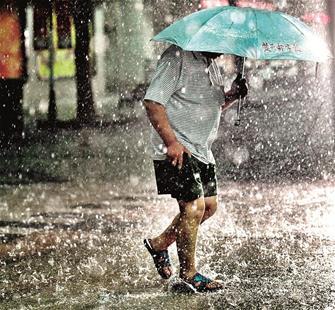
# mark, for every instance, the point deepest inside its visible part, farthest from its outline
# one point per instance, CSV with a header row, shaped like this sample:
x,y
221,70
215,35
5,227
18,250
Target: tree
x,y
83,16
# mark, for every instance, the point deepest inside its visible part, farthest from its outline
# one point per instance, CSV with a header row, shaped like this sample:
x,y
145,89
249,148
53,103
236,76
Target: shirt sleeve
x,y
165,79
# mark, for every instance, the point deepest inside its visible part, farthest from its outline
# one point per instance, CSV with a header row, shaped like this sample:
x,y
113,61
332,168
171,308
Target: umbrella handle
x,y
238,113
240,103
243,67
316,70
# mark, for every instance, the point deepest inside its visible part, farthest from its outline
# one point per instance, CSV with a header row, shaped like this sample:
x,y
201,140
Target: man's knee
x,y
211,205
194,209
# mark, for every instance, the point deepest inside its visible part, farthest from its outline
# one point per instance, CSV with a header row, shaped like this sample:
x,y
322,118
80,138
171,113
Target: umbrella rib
x,y
293,25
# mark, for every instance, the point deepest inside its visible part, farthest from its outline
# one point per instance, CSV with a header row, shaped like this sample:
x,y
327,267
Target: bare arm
x,y
159,120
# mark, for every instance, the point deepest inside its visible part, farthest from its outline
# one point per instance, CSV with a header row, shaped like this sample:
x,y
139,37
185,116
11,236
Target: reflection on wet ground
x,y
274,246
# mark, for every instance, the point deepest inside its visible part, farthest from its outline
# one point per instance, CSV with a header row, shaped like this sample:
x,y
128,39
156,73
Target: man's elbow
x,y
151,105
148,104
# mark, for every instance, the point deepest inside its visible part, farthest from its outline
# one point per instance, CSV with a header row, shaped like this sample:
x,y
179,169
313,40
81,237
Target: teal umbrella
x,y
246,32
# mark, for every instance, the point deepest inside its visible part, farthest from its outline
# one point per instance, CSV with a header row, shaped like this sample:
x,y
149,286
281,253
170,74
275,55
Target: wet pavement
x,y
77,243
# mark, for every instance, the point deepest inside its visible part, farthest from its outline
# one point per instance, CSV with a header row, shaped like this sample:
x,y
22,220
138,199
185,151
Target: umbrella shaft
x,y
241,68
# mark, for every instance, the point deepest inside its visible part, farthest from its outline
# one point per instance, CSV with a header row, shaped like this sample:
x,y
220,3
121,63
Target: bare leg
x,y
164,240
211,204
169,236
190,217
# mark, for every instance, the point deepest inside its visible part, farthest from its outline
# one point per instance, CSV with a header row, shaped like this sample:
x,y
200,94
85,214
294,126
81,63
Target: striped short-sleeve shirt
x,y
181,83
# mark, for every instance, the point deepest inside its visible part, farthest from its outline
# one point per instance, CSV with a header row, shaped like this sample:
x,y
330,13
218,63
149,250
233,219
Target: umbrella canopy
x,y
246,32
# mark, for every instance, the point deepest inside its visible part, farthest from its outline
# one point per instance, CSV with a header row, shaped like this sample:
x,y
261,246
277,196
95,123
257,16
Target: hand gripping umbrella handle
x,y
240,102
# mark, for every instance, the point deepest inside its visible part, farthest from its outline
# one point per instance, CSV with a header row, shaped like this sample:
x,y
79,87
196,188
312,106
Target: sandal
x,y
161,259
199,283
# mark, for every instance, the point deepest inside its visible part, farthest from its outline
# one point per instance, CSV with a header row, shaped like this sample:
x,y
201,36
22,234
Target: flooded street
x,y
78,243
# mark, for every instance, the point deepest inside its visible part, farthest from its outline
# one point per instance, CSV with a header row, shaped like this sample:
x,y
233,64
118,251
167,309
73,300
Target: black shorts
x,y
195,179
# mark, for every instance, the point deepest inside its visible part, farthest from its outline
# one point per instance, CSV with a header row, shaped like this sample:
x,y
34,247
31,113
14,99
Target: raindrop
x,y
237,17
134,180
240,156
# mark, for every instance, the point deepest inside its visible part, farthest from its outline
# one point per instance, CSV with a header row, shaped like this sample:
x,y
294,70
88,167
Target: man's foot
x,y
200,283
161,260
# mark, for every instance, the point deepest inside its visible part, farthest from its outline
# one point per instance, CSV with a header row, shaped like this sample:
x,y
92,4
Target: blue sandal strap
x,y
199,283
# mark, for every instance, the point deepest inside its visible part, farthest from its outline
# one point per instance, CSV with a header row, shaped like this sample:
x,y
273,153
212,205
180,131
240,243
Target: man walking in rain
x,y
184,103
